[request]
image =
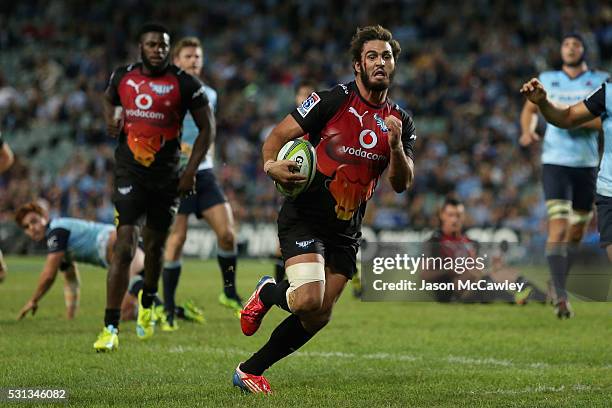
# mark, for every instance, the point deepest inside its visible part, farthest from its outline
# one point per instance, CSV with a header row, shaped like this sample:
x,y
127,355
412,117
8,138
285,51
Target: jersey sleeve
x,y
113,85
596,102
314,113
193,92
408,133
57,240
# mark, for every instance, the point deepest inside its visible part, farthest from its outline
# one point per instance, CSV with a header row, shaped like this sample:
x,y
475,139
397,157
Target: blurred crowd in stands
x,y
459,73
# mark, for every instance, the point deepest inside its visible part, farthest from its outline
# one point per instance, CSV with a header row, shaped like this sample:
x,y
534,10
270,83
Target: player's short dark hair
x,y
185,42
372,33
452,201
152,28
305,83
25,209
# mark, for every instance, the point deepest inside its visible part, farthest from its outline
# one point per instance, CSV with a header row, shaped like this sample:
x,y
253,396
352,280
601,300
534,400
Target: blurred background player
x,y
208,202
303,90
153,96
320,231
69,240
596,105
569,163
450,241
6,161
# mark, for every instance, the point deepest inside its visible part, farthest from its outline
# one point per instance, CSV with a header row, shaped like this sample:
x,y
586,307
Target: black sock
x,y
111,316
558,267
279,270
148,295
288,336
135,287
227,263
275,294
170,278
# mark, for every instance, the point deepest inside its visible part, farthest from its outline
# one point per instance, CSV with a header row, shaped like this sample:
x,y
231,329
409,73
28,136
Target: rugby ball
x,y
301,152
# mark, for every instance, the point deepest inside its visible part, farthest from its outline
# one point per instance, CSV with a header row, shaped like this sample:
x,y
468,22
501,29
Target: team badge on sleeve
x,y
308,104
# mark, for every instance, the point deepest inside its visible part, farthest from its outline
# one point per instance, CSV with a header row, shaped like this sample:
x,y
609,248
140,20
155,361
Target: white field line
x,y
458,360
540,389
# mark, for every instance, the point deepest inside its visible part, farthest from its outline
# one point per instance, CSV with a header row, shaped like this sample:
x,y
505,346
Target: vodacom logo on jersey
x,y
367,140
143,102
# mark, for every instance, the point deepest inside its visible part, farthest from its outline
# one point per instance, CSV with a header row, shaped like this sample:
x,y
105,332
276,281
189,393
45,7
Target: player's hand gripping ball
x,y
295,168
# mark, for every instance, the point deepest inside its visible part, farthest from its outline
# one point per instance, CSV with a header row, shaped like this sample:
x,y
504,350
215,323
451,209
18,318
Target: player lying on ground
x,y
596,105
569,164
319,231
69,240
449,241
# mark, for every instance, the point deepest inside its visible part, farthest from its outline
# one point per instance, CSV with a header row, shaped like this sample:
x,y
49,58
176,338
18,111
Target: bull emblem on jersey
x,y
349,190
161,89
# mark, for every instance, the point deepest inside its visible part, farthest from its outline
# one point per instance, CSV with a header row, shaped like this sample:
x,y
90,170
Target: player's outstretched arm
x,y
47,277
282,170
72,290
529,122
205,121
567,118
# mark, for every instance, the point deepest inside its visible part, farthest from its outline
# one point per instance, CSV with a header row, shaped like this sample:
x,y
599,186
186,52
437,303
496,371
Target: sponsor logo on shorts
x,y
308,104
304,244
124,190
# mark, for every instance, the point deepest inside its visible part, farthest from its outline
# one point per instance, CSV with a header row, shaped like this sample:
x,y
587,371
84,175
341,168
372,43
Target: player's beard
x,y
154,69
376,87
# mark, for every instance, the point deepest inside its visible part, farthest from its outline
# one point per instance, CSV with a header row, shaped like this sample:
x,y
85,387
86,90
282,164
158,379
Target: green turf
x,y
371,355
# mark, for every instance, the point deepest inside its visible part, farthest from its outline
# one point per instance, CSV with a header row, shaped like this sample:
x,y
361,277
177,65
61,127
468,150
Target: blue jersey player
x,y
69,240
569,162
208,202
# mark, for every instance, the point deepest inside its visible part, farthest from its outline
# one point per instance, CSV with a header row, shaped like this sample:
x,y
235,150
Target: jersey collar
x,y
353,85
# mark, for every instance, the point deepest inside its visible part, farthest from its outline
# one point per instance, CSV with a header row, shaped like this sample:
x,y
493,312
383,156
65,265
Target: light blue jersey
x,y
190,133
577,147
599,103
83,241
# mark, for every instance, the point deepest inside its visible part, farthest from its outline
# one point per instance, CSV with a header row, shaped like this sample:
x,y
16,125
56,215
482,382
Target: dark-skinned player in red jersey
x,y
153,96
357,133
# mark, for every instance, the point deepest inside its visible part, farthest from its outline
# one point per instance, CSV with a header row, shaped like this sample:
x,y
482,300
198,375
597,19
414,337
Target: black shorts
x,y
139,197
575,184
208,194
299,235
604,219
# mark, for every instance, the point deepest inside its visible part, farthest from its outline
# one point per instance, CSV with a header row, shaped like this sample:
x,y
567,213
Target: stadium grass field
x,y
371,354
